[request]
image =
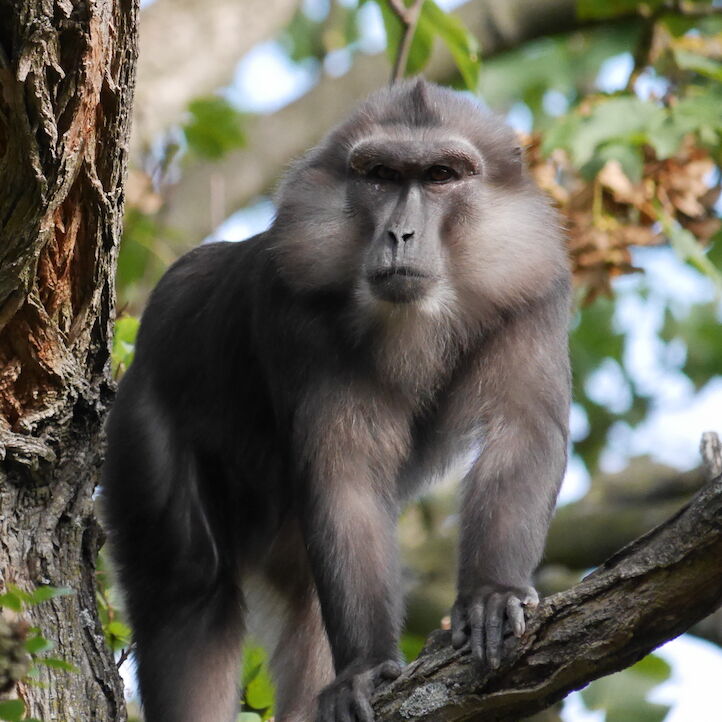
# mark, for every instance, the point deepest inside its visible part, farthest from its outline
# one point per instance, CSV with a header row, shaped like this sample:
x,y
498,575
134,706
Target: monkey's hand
x,y
480,617
347,698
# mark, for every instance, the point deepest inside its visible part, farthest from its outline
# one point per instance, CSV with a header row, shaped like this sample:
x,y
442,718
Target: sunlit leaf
x,y
690,250
126,330
215,127
461,43
45,592
38,644
12,710
421,44
55,663
698,63
598,9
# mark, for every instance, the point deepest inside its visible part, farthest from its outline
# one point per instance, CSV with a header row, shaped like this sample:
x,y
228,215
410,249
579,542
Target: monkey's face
x,y
404,193
419,201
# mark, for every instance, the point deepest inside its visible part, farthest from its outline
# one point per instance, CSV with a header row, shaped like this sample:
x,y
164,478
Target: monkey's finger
x,y
386,671
494,627
360,698
344,710
476,625
531,599
515,613
458,627
326,708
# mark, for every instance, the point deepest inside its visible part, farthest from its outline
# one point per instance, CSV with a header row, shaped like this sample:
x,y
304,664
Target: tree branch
x,y
649,592
409,17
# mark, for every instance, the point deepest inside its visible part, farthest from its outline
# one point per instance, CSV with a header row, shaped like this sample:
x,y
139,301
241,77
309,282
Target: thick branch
x,y
649,592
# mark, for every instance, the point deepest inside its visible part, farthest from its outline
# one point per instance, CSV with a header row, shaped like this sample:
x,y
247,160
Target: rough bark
x,y
66,80
649,592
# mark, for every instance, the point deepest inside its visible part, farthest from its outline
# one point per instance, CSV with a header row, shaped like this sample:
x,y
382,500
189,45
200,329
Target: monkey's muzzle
x,y
399,284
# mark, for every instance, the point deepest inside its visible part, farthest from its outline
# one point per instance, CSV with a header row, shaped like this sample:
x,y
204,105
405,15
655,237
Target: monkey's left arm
x,y
522,387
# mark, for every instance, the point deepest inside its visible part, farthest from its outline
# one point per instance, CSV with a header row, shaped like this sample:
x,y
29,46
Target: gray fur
x,y
406,314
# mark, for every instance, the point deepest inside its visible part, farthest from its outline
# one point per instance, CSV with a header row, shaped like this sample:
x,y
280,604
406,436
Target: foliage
x,y
26,644
623,697
214,127
434,22
256,686
126,329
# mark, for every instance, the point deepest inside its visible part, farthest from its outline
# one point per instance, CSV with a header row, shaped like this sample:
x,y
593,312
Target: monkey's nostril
x,y
394,236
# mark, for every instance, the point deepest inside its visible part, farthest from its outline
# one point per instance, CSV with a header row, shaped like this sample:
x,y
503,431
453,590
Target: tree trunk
x,y
67,71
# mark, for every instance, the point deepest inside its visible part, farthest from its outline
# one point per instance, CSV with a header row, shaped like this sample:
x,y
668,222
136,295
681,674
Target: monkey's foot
x,y
481,617
348,697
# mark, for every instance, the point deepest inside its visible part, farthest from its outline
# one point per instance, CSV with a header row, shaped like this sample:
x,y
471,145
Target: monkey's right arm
x,y
521,385
348,519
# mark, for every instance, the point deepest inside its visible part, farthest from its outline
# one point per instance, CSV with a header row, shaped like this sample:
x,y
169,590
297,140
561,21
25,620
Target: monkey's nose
x,y
394,236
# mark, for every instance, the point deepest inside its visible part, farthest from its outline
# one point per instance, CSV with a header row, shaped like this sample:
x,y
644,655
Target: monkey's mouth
x,y
398,284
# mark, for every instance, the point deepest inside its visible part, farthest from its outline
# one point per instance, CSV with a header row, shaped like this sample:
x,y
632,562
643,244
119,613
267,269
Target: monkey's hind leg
x,y
183,603
285,616
188,659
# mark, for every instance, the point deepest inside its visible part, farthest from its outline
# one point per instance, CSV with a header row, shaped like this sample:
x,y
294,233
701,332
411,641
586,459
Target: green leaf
x,y
699,64
394,29
254,657
45,592
259,694
629,157
118,629
462,44
56,663
599,9
689,249
12,710
258,690
10,600
411,646
249,717
421,44
125,333
215,127
699,331
38,644
625,119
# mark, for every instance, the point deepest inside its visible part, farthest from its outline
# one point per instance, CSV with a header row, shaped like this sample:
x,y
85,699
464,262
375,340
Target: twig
x,y
409,17
649,592
124,655
711,449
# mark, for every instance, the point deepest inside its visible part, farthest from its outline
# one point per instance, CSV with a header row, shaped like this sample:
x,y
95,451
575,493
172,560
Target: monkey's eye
x,y
383,172
440,174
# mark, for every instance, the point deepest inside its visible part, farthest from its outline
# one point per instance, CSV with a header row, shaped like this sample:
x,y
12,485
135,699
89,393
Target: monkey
x,y
405,317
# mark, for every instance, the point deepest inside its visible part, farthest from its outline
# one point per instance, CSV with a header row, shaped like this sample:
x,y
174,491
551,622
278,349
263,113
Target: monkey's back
x,y
181,394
